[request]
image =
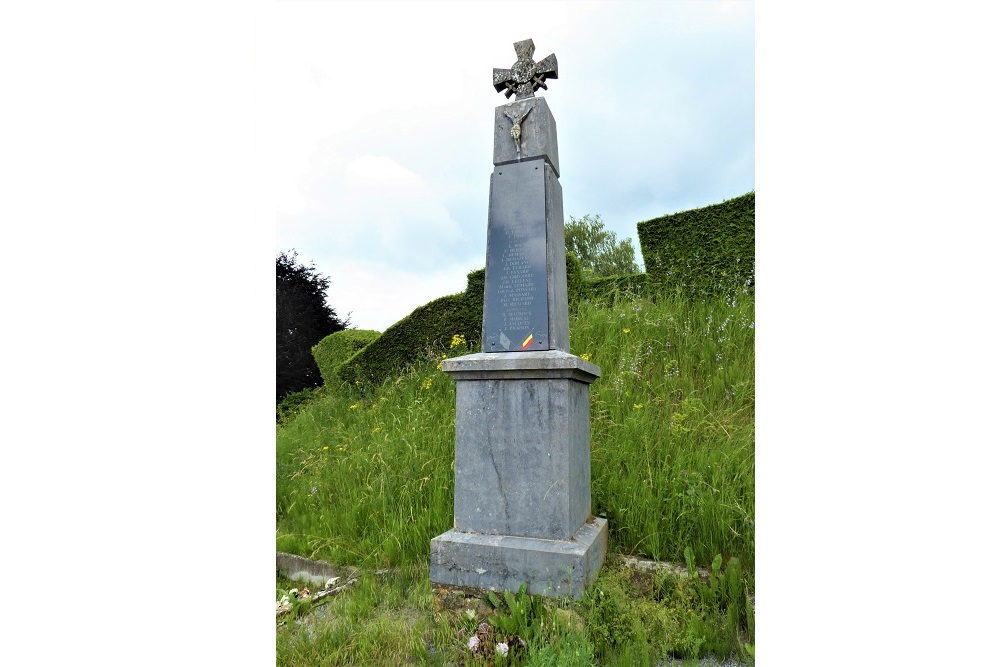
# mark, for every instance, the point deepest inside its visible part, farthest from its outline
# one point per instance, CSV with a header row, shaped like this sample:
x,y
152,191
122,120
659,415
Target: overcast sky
x,y
382,113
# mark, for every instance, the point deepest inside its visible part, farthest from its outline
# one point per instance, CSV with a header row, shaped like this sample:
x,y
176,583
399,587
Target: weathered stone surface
x,y
522,452
503,562
516,307
525,76
303,569
548,364
555,265
537,133
525,241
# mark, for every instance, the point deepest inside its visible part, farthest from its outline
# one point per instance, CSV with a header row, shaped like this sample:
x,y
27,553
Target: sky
x,y
381,120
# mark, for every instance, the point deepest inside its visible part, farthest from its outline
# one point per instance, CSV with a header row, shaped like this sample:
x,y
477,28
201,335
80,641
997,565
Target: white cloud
x,y
377,296
397,203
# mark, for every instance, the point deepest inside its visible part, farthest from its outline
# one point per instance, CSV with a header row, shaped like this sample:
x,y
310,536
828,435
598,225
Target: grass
x,y
365,478
672,425
627,617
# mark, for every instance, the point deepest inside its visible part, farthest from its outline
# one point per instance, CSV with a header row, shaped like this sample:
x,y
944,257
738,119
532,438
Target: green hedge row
x,y
337,348
699,252
604,290
427,330
610,289
703,251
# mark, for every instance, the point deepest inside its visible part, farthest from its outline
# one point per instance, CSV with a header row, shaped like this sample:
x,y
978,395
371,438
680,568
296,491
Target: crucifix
x,y
525,76
515,130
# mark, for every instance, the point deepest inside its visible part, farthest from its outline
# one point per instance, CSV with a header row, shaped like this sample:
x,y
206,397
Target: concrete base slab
x,y
554,568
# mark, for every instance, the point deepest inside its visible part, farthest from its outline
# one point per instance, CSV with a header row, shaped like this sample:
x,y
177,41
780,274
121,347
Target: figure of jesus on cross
x,y
515,130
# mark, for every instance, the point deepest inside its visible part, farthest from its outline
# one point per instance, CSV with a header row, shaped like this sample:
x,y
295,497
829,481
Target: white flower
x,y
502,648
471,614
474,642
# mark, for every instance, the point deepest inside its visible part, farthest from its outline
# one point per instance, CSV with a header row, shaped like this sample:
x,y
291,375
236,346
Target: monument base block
x,y
554,568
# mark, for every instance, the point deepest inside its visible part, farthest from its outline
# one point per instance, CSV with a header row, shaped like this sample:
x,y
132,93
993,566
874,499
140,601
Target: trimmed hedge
x,y
610,289
337,348
294,401
703,251
428,329
605,290
699,252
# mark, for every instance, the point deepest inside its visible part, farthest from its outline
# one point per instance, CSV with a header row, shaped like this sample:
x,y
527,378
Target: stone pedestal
x,y
522,476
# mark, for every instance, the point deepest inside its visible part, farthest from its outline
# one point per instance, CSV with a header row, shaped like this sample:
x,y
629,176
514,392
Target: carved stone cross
x,y
525,76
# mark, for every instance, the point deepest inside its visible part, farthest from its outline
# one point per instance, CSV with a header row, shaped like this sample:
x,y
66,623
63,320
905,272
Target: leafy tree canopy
x,y
598,249
303,319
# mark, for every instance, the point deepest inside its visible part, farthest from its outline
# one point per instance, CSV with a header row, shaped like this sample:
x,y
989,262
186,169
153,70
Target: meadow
x,y
365,479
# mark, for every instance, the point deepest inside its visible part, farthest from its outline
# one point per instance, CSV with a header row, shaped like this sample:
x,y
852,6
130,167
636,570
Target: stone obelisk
x,y
522,418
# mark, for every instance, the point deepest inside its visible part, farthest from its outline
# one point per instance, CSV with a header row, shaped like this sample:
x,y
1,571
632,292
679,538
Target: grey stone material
x,y
546,364
537,136
525,76
516,303
303,569
555,250
503,562
522,446
524,197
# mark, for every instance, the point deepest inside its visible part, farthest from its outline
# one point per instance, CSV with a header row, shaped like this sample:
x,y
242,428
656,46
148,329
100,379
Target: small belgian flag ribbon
x,y
527,341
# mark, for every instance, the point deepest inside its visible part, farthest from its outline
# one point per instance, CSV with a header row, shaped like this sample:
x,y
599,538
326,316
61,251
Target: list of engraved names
x,y
517,285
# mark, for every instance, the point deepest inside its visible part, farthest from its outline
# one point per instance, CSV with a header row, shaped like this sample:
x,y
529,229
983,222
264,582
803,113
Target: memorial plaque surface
x,y
516,308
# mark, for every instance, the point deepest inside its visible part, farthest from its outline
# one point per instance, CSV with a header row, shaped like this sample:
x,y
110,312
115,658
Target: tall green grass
x,y
672,424
366,478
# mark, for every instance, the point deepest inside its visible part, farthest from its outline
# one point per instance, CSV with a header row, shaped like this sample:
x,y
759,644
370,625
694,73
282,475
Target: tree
x,y
598,249
303,319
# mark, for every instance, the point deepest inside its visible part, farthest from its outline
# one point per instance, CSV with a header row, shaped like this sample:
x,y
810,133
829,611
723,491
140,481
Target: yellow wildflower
x,y
457,339
353,407
585,356
326,447
637,406
426,384
626,330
